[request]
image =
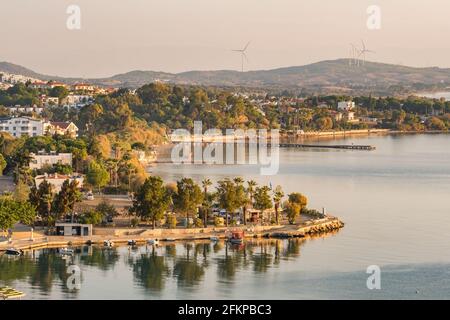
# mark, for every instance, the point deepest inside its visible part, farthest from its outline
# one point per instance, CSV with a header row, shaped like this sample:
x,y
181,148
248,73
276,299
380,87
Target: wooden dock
x,y
328,146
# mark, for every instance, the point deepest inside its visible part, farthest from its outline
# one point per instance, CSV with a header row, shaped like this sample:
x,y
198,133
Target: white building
x,y
48,101
25,109
77,100
18,126
346,105
40,160
57,180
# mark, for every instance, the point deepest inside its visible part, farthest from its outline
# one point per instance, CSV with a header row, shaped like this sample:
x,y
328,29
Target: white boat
x,y
131,242
14,252
66,251
108,243
153,242
214,239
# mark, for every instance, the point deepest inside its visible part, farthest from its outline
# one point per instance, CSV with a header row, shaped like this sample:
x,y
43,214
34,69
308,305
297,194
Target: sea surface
x,y
394,202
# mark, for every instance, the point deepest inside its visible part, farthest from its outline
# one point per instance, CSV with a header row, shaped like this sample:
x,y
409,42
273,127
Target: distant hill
x,y
330,75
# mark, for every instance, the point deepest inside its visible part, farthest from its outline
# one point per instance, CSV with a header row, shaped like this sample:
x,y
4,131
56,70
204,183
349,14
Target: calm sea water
x,y
394,201
438,95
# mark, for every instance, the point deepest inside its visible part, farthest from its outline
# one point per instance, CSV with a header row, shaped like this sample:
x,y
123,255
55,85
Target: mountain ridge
x,y
319,75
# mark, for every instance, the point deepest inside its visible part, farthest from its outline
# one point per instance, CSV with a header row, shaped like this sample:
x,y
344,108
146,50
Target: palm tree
x,y
205,184
251,186
278,195
241,196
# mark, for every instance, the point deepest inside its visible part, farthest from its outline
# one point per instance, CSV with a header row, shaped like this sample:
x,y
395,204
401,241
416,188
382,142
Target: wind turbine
x,y
243,55
353,55
363,51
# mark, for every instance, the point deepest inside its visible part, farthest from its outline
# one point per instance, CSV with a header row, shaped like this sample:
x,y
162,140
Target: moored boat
x,y
153,242
14,252
236,237
131,242
108,243
66,251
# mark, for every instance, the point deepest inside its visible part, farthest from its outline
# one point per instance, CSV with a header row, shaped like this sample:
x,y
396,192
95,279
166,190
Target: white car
x,y
89,196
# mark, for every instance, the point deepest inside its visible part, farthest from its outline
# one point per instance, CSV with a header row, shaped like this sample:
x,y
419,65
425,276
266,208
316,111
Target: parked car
x,y
89,196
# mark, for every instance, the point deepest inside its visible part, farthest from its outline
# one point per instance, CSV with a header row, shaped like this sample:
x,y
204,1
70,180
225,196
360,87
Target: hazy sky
x,y
179,35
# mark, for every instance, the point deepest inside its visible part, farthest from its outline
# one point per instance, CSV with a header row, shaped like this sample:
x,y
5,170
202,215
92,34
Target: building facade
x,y
19,126
40,160
57,180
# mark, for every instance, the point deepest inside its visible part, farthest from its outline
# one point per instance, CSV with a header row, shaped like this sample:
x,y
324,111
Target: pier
x,y
328,146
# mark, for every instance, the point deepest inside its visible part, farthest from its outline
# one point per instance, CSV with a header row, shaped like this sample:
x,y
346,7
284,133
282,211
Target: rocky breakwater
x,y
309,228
321,226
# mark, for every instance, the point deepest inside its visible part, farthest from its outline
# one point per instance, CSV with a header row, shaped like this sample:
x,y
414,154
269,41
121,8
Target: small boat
x,y
14,252
153,242
236,237
66,251
214,239
169,239
108,243
131,242
10,293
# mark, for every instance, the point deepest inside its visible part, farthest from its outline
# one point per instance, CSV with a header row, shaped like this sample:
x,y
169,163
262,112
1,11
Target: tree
x,y
59,92
42,199
188,197
106,209
207,201
152,200
241,197
65,200
2,164
298,198
262,199
278,195
292,211
251,185
22,191
97,175
227,197
12,211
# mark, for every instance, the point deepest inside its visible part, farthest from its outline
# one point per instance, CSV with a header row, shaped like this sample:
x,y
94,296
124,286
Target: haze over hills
x,y
325,76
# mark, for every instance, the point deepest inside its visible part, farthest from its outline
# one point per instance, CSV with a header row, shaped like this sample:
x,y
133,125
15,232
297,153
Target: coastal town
x,y
73,143
75,160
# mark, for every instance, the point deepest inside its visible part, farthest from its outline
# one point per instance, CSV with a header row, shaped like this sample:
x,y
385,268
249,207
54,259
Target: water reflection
x,y
152,267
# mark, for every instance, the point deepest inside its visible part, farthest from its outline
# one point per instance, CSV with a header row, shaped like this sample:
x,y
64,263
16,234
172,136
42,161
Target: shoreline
x,y
310,228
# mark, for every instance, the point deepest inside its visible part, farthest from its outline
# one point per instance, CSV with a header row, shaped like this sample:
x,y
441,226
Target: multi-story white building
x,y
346,105
25,109
18,126
76,100
57,180
42,159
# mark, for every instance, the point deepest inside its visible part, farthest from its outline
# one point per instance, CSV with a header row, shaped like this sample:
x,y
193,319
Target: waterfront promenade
x,y
141,235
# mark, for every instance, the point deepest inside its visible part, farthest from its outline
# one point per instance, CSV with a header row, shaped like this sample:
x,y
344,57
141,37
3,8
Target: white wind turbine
x,y
354,52
363,51
243,55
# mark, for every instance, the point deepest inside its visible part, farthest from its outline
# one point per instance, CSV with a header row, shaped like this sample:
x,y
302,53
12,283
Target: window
x,y
14,128
34,128
6,128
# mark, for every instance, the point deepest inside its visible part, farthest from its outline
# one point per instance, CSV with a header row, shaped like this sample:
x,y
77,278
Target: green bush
x,y
171,222
134,222
92,217
219,221
198,223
